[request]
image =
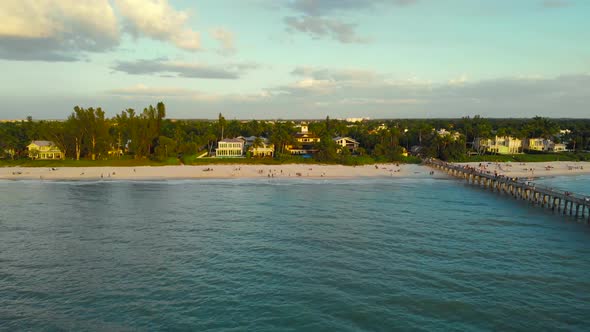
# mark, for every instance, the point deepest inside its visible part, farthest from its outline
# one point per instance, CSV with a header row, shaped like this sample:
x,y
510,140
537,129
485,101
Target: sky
x,y
294,59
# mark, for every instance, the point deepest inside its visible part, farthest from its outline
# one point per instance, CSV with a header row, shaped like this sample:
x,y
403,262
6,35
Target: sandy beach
x,y
214,172
283,171
533,170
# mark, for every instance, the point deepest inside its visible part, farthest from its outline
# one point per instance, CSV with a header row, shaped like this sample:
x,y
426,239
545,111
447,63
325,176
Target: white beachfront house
x,y
346,142
556,147
499,145
544,145
44,150
230,147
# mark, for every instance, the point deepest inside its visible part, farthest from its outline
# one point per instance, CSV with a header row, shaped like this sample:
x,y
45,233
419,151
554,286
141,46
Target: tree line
x,y
88,134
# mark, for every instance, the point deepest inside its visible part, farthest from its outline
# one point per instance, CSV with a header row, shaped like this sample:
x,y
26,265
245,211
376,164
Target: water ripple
x,y
284,255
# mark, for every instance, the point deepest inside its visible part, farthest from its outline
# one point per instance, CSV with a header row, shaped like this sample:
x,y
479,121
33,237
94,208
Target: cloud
x,y
555,3
182,69
316,19
502,97
318,27
459,80
56,30
226,40
561,96
144,91
323,7
334,74
66,30
158,20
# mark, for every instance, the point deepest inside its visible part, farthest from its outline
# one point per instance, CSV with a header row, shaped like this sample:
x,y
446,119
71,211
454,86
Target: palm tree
x,y
258,143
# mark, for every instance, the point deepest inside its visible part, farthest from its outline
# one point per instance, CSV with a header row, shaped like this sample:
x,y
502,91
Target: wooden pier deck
x,y
562,202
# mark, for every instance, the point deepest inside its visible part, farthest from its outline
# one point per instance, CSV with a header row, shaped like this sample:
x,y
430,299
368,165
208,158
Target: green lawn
x,y
88,163
192,160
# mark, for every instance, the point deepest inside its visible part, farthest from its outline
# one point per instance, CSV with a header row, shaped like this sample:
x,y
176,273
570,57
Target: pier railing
x,y
519,188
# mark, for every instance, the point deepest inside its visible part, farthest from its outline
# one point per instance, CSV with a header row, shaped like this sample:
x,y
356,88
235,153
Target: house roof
x,y
232,140
251,139
309,135
43,143
345,138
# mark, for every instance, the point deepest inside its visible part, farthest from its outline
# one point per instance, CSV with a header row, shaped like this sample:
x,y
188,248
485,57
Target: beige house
x,y
230,148
346,142
44,150
499,145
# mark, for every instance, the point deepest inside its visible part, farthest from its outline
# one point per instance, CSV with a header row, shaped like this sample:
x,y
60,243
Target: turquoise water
x,y
298,255
578,184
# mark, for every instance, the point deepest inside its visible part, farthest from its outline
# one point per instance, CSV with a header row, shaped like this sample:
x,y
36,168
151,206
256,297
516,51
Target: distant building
x,y
230,148
453,134
11,120
115,152
44,150
10,152
347,142
356,119
304,142
499,145
378,129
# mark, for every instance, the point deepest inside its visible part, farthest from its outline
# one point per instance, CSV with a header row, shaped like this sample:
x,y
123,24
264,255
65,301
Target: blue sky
x,y
297,58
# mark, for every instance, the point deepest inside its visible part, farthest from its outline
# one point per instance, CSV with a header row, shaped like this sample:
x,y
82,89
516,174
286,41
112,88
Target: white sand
x,y
214,171
513,169
540,169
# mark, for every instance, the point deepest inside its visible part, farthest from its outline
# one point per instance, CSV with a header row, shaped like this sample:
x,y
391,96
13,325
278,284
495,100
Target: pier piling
x,y
519,189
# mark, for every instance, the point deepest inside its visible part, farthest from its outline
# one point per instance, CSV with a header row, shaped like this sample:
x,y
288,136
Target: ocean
x,y
287,255
579,184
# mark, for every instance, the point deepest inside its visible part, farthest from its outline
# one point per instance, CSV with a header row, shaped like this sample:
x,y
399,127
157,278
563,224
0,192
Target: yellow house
x,y
499,145
536,144
44,150
304,142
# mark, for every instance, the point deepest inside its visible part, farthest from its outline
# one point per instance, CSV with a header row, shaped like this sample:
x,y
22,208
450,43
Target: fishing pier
x,y
562,202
